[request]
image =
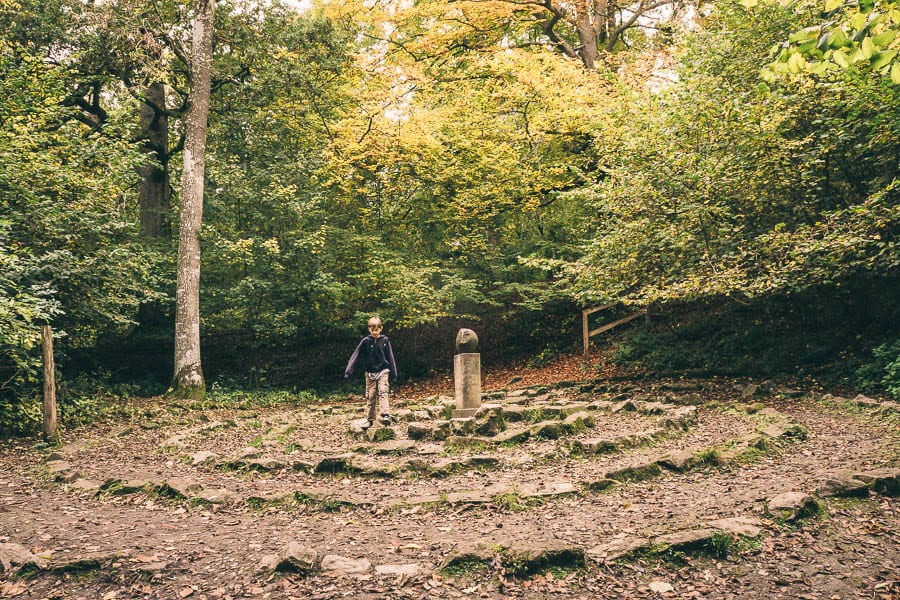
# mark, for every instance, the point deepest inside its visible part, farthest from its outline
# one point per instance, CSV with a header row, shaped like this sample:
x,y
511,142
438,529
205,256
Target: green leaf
x,y
867,48
858,21
837,39
882,59
830,5
895,73
796,63
840,59
817,68
883,39
749,3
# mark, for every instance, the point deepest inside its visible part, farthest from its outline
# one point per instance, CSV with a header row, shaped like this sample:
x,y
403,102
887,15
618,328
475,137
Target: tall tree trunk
x,y
188,380
587,37
154,194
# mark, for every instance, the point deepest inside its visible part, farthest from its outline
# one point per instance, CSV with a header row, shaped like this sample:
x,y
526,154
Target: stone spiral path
x,y
578,490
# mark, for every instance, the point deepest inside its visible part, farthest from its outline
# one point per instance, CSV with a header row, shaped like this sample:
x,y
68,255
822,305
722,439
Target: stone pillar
x,y
467,375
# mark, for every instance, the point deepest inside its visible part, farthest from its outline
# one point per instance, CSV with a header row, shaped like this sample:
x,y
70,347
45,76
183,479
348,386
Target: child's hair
x,y
374,321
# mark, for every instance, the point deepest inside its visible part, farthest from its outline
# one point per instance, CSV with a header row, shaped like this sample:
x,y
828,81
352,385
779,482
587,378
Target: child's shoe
x,y
385,419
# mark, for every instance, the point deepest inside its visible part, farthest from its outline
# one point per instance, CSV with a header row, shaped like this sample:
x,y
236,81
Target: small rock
x,y
679,461
297,558
462,426
62,472
419,431
248,452
512,436
661,587
792,506
359,426
180,487
203,456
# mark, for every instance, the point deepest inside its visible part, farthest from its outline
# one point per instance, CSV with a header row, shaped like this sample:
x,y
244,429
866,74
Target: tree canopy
x,y
479,159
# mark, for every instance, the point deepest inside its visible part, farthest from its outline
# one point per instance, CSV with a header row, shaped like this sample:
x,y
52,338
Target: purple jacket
x,y
374,355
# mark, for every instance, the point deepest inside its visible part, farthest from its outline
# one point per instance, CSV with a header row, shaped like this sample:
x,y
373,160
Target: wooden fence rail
x,y
587,333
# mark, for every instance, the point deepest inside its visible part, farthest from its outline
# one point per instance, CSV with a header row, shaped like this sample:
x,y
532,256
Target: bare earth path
x,y
580,499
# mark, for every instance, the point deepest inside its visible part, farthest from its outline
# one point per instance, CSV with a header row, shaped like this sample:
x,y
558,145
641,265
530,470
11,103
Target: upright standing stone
x,y
467,374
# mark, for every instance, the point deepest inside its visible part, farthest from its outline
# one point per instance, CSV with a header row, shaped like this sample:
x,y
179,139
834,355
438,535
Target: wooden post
x,y
50,432
584,332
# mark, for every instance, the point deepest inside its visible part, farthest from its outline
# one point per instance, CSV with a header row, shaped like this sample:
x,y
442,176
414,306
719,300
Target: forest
x,y
731,167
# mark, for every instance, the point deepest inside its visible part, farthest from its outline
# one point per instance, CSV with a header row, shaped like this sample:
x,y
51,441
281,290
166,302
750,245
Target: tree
x,y
188,378
69,248
444,33
862,34
727,187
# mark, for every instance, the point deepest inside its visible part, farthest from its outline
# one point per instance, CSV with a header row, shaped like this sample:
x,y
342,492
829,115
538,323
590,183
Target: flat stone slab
x,y
680,461
203,456
15,556
595,446
407,570
842,486
394,447
181,487
85,485
688,539
618,548
745,526
264,464
62,472
217,496
884,481
638,472
512,436
541,490
349,566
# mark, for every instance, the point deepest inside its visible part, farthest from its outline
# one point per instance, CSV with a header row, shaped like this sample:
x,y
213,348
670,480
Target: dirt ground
x,y
245,501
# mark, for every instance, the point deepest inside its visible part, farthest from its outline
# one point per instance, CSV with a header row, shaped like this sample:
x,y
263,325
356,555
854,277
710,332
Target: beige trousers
x,y
377,389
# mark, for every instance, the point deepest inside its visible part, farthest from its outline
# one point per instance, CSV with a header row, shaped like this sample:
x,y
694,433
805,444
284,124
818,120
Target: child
x,y
375,355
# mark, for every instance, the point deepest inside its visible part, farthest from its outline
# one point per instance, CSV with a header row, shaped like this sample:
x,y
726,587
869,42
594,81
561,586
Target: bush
x,y
884,370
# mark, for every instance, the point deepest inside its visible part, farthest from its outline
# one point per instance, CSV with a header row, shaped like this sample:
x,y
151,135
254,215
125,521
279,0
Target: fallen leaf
x,y
185,592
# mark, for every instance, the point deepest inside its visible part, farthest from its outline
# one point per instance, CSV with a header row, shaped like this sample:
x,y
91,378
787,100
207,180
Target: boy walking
x,y
375,355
